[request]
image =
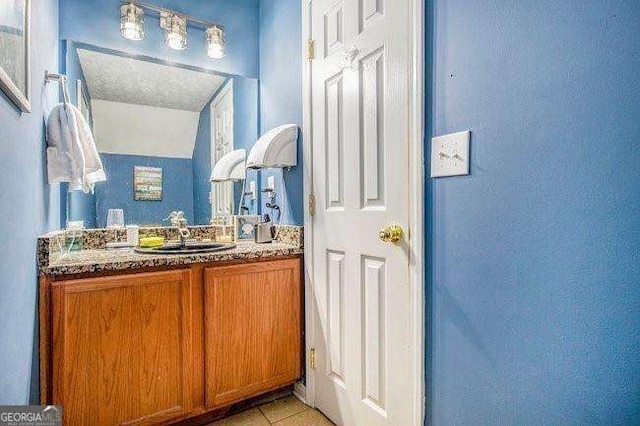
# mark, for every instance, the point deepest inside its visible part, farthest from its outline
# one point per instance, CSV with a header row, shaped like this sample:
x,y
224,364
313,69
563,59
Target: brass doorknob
x,y
391,234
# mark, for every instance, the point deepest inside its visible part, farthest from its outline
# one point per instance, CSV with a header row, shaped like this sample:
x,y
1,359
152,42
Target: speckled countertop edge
x,y
54,262
94,261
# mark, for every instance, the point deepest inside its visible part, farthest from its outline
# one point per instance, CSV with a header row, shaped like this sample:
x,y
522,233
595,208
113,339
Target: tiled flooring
x,y
289,411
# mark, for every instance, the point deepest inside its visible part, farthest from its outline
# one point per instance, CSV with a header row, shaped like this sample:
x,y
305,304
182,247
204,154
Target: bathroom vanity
x,y
133,338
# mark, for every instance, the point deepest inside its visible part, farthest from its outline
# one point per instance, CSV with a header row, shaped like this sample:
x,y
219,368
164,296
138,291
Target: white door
x,y
364,337
221,144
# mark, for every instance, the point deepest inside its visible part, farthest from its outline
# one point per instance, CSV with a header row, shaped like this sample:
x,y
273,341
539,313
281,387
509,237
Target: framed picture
x,y
147,183
14,52
244,227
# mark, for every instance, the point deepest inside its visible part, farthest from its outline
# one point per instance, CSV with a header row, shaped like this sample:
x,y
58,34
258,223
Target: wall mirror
x,y
14,52
160,127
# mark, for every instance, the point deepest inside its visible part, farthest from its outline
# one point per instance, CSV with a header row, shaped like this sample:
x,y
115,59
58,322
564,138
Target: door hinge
x,y
311,51
312,358
312,205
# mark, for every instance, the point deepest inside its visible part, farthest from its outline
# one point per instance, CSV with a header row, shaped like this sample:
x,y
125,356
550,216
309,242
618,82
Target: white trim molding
x,y
307,176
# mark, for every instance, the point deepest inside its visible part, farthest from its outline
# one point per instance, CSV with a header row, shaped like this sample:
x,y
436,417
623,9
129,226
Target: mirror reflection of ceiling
x,y
128,129
133,81
145,108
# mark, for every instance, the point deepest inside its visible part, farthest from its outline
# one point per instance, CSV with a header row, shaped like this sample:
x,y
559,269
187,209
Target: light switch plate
x,y
271,182
252,190
450,154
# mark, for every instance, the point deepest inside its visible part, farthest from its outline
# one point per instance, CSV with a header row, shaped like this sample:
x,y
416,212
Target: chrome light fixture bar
x,y
173,23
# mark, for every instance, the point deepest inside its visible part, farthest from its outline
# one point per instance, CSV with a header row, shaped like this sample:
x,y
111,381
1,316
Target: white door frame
x,y
227,89
416,204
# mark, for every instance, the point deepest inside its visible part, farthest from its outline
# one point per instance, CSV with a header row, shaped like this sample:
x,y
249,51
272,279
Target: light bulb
x,y
131,22
176,34
214,40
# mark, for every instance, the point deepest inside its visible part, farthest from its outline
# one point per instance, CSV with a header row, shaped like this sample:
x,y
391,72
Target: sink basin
x,y
187,248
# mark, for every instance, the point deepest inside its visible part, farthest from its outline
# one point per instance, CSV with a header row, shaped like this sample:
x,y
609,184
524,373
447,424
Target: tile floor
x,y
289,411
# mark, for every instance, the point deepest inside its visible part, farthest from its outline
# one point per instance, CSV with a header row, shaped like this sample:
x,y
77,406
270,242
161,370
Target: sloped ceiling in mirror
x,y
144,108
121,128
133,81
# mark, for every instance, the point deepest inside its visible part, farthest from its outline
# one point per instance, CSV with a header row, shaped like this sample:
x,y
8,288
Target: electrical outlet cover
x,y
450,154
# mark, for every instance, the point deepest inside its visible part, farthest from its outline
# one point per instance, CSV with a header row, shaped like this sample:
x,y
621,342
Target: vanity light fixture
x,y
173,23
131,22
175,27
214,40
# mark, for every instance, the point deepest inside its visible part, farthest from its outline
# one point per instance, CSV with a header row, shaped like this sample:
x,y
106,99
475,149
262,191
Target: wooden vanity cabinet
x,y
157,347
252,329
121,347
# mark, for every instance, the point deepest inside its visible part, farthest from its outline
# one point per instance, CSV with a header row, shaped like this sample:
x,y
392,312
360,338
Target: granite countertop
x,y
97,260
54,258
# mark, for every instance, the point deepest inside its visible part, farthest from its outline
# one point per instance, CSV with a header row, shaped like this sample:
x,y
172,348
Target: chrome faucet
x,y
178,220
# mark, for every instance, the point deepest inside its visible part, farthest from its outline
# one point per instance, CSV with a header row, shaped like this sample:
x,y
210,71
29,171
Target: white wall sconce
x,y
174,24
231,167
277,148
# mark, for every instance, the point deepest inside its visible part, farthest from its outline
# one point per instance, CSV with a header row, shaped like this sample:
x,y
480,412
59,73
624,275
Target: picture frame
x,y
15,37
147,183
244,227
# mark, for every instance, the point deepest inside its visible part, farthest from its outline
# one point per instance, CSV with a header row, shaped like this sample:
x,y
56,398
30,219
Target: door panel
x,y
360,111
372,167
374,321
335,303
335,142
122,347
252,329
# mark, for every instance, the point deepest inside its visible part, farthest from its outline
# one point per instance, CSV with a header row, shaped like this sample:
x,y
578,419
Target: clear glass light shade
x,y
176,33
131,22
214,40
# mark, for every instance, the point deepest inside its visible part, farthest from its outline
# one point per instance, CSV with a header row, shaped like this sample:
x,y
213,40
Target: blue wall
x,y
536,255
281,93
28,207
97,22
117,191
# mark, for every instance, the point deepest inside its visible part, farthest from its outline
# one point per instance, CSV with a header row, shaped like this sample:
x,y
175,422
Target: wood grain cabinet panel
x,y
252,329
122,348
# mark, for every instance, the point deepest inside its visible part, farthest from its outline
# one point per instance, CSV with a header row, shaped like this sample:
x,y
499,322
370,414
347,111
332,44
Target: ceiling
x,y
135,81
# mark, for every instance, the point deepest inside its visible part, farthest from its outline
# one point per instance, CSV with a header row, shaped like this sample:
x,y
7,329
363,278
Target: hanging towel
x,y
72,155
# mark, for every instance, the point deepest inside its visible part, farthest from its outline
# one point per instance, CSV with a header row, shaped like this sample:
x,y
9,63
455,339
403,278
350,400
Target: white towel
x,y
72,155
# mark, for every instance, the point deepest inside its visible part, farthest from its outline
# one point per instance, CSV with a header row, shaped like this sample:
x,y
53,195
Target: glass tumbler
x,y
115,221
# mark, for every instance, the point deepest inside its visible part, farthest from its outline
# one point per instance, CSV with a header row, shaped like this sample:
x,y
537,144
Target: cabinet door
x,y
122,347
252,329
